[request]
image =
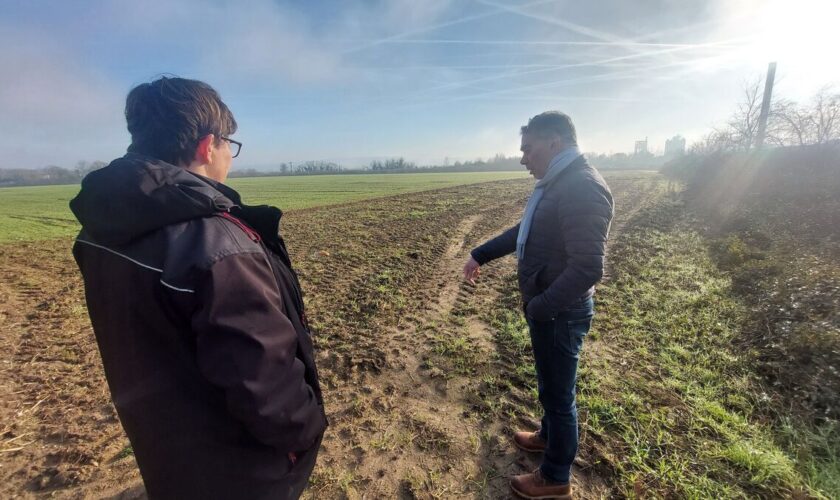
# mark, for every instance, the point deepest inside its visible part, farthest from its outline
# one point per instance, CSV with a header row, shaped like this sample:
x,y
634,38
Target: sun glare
x,y
802,36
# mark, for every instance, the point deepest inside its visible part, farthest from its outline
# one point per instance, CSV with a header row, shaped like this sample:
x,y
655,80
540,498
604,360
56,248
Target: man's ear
x,y
204,150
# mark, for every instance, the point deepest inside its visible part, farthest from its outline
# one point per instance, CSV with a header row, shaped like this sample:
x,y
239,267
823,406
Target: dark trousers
x,y
557,346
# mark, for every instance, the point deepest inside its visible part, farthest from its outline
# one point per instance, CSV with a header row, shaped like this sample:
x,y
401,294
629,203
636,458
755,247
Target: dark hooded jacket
x,y
564,252
200,323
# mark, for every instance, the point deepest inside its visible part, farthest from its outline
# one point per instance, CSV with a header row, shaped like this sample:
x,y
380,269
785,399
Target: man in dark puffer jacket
x,y
196,309
560,245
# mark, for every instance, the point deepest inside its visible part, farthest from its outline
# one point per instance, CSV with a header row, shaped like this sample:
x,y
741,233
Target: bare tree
x,y
716,141
792,125
789,123
825,113
817,123
83,167
744,123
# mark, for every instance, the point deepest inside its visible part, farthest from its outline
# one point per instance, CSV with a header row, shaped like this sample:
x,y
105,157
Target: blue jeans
x,y
557,346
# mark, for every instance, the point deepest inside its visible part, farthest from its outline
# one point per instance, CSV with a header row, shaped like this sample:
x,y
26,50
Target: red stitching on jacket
x,y
255,236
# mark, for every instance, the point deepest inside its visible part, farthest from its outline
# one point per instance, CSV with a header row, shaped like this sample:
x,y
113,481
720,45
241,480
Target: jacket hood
x,y
137,194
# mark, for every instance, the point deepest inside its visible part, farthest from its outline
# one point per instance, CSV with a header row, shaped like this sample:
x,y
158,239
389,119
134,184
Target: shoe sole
x,y
540,497
525,448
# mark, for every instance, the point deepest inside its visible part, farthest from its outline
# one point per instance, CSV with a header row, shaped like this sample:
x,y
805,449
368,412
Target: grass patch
x,y
36,213
817,452
667,402
683,410
323,478
456,351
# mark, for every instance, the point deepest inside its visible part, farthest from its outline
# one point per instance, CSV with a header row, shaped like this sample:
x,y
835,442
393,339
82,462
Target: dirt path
x,y
415,429
417,441
628,203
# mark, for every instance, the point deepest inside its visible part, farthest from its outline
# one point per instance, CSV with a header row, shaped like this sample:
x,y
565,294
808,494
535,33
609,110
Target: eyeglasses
x,y
235,146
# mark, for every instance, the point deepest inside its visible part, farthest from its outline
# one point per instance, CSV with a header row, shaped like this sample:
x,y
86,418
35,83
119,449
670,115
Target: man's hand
x,y
471,271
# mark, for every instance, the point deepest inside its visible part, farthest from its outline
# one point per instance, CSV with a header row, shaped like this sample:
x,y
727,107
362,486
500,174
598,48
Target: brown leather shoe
x,y
535,486
529,441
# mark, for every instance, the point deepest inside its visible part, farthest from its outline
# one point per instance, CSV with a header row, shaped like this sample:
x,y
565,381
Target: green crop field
x,y
41,212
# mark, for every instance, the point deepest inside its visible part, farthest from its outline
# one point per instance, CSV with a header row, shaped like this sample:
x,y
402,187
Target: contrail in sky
x,y
433,27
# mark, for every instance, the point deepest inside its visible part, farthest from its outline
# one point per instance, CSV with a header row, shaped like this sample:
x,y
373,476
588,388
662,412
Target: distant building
x,y
675,146
641,148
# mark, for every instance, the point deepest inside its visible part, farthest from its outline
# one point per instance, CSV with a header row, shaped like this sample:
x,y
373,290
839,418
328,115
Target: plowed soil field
x,y
420,392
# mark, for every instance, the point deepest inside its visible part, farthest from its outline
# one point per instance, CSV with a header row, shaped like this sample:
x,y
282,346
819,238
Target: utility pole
x,y
765,105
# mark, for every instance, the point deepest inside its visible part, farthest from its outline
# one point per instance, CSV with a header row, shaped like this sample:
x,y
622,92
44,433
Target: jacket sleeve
x,y
585,223
247,347
499,246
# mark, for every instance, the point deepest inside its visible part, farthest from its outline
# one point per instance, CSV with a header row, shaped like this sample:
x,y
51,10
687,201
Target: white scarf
x,y
558,164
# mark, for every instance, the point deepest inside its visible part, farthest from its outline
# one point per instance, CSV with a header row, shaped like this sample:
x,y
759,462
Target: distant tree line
x,y
59,175
619,161
312,167
48,175
387,166
498,163
392,164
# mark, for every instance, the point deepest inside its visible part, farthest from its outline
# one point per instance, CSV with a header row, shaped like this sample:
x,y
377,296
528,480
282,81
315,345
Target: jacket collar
x,y
137,194
576,164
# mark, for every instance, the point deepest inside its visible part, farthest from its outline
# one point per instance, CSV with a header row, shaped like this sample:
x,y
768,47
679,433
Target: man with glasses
x,y
196,309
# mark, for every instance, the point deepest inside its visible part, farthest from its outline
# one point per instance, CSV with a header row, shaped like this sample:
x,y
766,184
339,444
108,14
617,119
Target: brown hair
x,y
167,117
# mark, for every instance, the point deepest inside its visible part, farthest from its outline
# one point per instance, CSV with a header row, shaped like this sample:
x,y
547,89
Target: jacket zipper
x,y
255,236
296,292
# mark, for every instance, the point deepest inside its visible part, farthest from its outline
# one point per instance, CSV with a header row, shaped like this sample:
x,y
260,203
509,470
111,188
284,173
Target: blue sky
x,y
350,81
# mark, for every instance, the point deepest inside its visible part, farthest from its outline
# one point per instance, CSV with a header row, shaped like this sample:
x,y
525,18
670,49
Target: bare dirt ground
x,y
405,351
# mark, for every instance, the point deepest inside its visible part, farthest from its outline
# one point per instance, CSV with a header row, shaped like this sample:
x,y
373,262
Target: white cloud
x,y
260,39
42,83
49,97
269,42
